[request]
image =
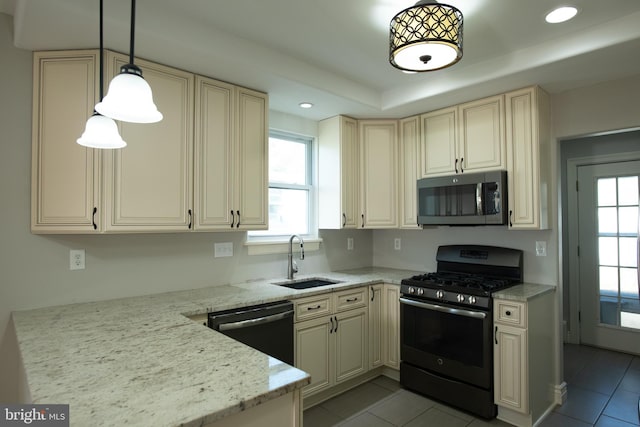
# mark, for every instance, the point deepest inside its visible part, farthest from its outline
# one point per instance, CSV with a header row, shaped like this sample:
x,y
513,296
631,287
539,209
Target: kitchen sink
x,y
306,283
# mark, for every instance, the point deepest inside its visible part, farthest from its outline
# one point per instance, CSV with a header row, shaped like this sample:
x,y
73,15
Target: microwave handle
x,y
479,206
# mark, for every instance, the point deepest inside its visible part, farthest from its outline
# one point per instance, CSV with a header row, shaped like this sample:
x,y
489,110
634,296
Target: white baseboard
x,y
560,393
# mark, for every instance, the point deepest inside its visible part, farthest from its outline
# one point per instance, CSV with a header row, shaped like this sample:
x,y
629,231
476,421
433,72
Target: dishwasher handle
x,y
252,322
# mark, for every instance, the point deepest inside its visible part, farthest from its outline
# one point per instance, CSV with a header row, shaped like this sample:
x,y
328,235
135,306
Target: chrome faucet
x,y
292,266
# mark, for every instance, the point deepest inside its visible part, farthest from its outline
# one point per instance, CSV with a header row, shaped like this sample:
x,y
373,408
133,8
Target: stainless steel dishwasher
x,y
266,327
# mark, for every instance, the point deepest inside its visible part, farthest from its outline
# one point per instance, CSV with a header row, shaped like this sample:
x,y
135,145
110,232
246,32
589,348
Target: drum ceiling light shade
x,y
101,131
426,37
129,98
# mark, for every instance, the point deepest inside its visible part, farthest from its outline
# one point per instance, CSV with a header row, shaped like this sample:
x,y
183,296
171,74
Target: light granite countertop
x,y
523,292
140,361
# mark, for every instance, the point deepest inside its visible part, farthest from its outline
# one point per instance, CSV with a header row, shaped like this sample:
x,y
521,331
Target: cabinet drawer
x,y
351,298
312,307
510,313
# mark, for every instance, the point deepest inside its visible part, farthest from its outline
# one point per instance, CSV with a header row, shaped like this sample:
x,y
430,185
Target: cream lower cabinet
x,y
331,337
391,325
148,185
230,157
468,137
338,176
523,359
65,176
528,158
378,173
376,325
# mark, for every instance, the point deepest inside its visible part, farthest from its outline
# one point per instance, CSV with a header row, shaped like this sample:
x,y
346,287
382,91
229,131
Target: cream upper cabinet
x,y
408,165
148,185
481,135
438,146
378,173
230,157
338,176
528,168
468,137
65,176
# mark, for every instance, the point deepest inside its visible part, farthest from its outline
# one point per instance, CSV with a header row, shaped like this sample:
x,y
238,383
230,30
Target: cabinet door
x,y
251,160
527,173
350,344
510,368
391,332
438,146
376,326
65,179
213,137
313,350
349,173
378,173
409,155
148,184
481,135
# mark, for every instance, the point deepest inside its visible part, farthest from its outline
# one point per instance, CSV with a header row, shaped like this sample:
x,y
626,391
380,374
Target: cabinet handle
x,y
93,218
238,224
495,335
331,320
362,220
190,218
336,329
508,313
314,308
344,220
461,161
456,166
510,218
233,218
354,299
373,293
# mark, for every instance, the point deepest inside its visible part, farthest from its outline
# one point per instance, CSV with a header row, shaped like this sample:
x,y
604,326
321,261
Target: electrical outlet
x,y
349,243
223,249
541,248
397,243
76,259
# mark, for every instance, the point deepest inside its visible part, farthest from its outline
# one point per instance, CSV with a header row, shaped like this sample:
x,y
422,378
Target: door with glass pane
x,y
608,234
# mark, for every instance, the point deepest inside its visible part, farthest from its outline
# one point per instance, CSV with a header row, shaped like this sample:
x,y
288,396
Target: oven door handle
x,y
457,311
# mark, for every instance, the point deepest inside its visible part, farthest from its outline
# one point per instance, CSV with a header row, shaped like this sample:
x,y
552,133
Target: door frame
x,y
573,334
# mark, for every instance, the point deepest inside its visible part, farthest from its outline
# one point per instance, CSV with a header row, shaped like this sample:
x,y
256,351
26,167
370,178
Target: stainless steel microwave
x,y
463,199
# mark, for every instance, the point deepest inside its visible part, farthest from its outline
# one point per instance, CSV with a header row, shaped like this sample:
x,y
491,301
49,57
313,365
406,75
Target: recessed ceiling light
x,y
561,14
305,105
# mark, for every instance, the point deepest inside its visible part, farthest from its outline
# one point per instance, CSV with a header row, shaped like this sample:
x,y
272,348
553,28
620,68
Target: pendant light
x,y
426,37
129,98
101,131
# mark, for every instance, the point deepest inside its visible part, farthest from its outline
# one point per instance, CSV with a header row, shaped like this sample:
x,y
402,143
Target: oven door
x,y
447,340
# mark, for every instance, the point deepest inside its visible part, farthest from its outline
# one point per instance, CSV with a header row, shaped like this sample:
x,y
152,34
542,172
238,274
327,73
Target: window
x,y
290,187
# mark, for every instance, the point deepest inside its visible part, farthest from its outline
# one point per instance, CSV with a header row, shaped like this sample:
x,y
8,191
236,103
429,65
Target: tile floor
x,y
603,391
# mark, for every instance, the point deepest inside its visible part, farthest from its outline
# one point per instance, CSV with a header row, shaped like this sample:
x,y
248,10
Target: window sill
x,y
264,247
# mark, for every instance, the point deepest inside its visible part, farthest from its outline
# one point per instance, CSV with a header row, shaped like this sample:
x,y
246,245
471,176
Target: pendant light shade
x,y
129,98
101,132
426,37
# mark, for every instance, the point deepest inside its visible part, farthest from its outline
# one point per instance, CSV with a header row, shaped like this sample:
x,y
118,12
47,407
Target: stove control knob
x,y
440,294
460,298
420,291
412,290
472,300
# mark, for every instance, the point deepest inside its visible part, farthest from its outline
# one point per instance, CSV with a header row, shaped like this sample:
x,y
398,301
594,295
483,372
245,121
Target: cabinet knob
x,y
508,313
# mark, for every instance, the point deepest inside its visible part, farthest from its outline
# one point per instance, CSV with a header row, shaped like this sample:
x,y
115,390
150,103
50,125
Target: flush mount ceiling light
x,y
129,98
561,14
305,105
101,131
426,37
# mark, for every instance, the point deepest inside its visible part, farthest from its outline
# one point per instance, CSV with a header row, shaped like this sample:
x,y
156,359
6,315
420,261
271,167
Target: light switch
x,y
397,244
349,243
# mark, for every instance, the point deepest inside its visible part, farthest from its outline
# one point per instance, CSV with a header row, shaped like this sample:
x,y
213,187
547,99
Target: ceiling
x,y
334,53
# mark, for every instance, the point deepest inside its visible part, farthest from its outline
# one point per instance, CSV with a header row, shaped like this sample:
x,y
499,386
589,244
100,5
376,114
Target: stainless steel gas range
x,y
446,324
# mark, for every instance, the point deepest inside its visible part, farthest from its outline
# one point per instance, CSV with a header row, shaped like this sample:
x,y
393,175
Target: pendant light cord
x,y
101,54
133,28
